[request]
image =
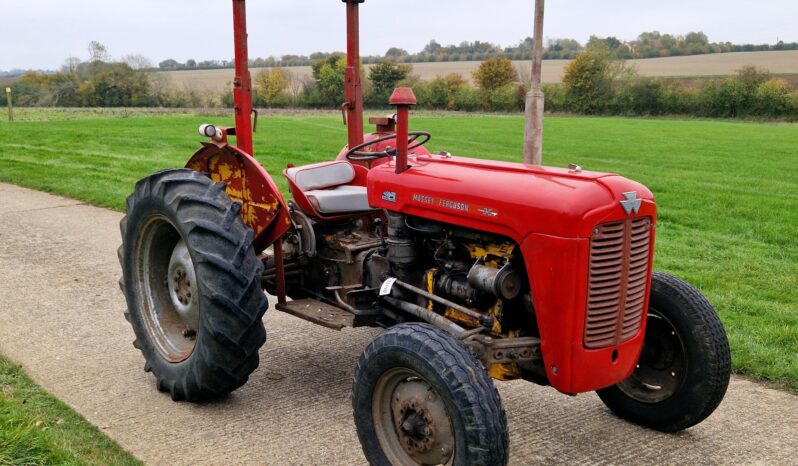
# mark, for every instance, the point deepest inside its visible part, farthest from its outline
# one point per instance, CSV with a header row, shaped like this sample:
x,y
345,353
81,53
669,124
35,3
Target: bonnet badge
x,y
631,203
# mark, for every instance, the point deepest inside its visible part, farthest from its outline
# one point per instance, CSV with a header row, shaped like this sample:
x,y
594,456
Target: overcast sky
x,y
42,33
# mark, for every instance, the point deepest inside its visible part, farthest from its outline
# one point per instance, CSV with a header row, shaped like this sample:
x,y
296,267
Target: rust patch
x,y
262,206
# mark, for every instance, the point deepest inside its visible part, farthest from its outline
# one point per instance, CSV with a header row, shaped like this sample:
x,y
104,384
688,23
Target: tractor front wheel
x,y
684,369
420,397
192,283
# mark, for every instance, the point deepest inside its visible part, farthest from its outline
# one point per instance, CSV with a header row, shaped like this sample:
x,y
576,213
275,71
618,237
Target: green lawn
x,y
37,429
727,191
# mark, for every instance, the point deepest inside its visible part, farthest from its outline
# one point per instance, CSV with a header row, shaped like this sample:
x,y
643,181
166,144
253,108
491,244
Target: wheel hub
x,y
183,291
662,365
413,424
167,289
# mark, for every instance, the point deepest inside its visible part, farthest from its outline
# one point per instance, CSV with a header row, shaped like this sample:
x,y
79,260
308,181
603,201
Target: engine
x,y
473,279
479,271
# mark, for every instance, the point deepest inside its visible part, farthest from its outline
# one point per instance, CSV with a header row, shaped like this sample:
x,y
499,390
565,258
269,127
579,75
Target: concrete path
x,y
61,318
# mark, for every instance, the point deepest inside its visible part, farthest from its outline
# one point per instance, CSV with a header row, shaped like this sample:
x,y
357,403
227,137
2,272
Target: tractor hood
x,y
511,199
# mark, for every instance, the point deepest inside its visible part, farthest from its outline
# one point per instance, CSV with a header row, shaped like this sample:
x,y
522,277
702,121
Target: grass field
x,y
727,191
37,429
778,62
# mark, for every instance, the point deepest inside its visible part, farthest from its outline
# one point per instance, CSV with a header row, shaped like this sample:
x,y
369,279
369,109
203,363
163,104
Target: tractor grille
x,y
619,255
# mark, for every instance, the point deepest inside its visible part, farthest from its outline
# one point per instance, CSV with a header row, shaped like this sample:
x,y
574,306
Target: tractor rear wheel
x,y
684,369
193,285
421,397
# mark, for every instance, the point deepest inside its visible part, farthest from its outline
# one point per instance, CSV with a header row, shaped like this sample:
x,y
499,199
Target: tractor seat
x,y
326,186
340,200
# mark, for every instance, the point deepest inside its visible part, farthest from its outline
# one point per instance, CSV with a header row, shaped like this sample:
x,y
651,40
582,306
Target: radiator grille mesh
x,y
619,256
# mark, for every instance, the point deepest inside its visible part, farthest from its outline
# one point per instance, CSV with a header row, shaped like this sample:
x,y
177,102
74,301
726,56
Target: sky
x,y
40,34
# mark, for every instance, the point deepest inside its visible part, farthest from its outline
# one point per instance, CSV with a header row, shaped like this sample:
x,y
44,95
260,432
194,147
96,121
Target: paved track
x,y
61,318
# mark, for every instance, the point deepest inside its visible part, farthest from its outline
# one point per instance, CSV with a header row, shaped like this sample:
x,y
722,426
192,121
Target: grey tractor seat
x,y
326,186
340,200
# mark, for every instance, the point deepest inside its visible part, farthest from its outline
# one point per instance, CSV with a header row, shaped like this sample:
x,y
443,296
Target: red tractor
x,y
478,270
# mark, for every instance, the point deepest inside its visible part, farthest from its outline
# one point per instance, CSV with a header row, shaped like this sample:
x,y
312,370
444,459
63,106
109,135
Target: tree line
x,y
101,81
647,45
597,82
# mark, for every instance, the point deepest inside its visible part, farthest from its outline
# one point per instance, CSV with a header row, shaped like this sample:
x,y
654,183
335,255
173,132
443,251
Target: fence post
x,y
10,105
533,131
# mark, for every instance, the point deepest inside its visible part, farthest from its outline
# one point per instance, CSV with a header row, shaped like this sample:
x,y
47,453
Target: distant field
x,y
782,62
218,80
777,62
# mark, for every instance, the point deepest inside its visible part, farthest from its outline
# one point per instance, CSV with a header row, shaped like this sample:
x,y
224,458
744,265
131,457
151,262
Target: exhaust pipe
x,y
425,315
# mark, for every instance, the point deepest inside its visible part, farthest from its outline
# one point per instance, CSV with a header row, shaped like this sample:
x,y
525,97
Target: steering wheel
x,y
356,154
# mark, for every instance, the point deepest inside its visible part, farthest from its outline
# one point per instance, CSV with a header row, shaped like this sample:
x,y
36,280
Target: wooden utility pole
x,y
533,134
10,105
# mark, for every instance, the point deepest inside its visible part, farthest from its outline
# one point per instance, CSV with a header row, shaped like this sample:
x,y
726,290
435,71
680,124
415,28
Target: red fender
x,y
262,205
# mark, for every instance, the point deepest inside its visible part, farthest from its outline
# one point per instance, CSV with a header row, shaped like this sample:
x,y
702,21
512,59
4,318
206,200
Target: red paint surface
x,y
403,96
262,206
551,214
242,84
353,91
402,131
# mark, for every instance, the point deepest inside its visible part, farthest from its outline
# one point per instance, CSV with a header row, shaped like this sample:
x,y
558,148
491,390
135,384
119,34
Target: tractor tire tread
x,y
707,386
714,336
476,396
233,303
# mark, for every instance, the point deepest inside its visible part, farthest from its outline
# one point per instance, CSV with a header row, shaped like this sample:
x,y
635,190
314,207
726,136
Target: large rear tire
x,y
421,397
685,365
192,283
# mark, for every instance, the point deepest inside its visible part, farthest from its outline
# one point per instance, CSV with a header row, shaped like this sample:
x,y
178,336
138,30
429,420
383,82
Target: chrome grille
x,y
619,255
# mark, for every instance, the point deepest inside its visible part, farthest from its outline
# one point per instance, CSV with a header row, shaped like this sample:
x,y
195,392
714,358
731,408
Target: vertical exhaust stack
x,y
403,98
533,134
353,91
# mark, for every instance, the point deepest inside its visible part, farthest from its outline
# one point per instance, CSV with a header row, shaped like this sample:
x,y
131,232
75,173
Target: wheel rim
x,y
412,423
182,281
662,366
167,290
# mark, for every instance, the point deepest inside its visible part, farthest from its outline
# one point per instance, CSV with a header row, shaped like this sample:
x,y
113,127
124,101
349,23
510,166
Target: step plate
x,y
319,313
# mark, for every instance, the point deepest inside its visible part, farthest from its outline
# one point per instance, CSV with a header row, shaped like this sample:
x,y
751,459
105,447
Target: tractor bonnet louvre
x,y
619,256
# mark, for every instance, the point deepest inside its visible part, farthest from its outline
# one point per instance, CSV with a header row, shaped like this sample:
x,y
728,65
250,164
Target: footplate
x,y
319,313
